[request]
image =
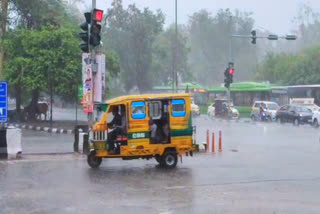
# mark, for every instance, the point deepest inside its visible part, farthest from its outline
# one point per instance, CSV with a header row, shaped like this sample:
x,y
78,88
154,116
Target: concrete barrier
x,y
10,143
81,139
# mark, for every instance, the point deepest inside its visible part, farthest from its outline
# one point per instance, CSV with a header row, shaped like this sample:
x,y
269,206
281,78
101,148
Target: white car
x,y
270,108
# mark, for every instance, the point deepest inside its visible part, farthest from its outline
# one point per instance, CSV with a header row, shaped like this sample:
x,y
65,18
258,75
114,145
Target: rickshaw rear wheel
x,y
93,161
169,160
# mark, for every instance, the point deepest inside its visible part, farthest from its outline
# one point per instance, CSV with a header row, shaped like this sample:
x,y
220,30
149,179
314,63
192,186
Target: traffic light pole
x,y
92,62
253,36
230,58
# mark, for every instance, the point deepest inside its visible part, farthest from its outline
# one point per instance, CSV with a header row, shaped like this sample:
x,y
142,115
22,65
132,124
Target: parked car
x,y
269,107
294,114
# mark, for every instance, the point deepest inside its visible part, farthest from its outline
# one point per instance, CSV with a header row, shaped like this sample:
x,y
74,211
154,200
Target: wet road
x,y
263,168
44,142
68,114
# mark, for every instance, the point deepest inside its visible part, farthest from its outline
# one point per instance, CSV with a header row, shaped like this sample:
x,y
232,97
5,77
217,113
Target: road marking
x,y
176,187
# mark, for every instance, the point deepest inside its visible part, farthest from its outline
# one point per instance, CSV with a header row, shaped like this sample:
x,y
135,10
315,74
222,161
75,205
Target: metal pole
x,y
51,99
230,57
76,104
92,54
176,43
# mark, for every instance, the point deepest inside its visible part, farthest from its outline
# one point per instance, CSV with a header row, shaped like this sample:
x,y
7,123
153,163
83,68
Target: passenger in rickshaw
x,y
118,124
153,130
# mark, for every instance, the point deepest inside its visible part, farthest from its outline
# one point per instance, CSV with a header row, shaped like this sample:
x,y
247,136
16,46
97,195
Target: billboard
x,y
93,83
87,83
99,79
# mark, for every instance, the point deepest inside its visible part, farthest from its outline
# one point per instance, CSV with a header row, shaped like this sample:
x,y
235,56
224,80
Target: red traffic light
x,y
231,71
97,15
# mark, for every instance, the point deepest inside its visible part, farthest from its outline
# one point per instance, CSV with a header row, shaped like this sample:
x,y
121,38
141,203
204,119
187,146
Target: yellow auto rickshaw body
x,y
171,114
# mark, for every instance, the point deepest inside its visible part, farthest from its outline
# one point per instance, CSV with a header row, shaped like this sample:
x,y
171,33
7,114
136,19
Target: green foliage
x,y
209,42
42,57
244,111
164,56
34,14
112,64
289,69
131,33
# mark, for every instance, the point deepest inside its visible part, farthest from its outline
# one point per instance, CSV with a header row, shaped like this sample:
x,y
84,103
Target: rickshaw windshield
x,y
100,109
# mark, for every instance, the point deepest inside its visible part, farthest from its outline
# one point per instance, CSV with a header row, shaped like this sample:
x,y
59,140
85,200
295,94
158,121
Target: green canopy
x,y
243,87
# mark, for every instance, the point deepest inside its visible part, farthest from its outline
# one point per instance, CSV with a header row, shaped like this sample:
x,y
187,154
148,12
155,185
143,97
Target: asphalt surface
x,y
44,142
263,168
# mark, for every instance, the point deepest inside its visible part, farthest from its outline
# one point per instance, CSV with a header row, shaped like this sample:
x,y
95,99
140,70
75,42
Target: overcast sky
x,y
273,15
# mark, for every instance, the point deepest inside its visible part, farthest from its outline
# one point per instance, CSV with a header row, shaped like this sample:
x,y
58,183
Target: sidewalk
x,y
62,126
64,121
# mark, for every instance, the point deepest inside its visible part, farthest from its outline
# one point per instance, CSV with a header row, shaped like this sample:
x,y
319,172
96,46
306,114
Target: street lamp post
x,y
174,65
176,43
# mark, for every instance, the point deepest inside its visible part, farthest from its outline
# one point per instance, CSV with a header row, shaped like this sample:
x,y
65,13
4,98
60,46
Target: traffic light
x,y
231,71
95,37
291,37
226,78
254,37
84,45
228,75
97,15
273,37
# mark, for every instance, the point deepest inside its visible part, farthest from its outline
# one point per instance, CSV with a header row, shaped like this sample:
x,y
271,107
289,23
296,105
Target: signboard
x,y
93,84
3,102
307,102
87,90
302,101
99,79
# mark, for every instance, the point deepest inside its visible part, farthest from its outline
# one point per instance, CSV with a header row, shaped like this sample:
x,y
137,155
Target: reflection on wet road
x,y
263,168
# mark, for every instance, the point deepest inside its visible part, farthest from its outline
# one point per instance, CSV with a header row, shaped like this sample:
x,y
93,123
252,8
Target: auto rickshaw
x,y
152,126
221,109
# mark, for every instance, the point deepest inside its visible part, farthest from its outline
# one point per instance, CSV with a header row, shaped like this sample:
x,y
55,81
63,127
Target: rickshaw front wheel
x,y
169,160
93,161
158,158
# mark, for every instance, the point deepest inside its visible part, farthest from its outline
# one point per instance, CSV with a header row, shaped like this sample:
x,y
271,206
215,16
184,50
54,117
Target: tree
x,y
42,59
131,33
209,43
163,56
3,28
290,69
34,14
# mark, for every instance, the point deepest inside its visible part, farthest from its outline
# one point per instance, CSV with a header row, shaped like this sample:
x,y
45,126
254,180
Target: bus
x,y
305,91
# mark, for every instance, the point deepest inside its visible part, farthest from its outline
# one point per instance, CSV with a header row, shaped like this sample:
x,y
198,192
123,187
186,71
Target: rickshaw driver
x,y
116,125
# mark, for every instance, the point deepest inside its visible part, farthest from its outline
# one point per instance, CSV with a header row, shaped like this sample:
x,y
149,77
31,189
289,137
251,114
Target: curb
x,y
40,128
